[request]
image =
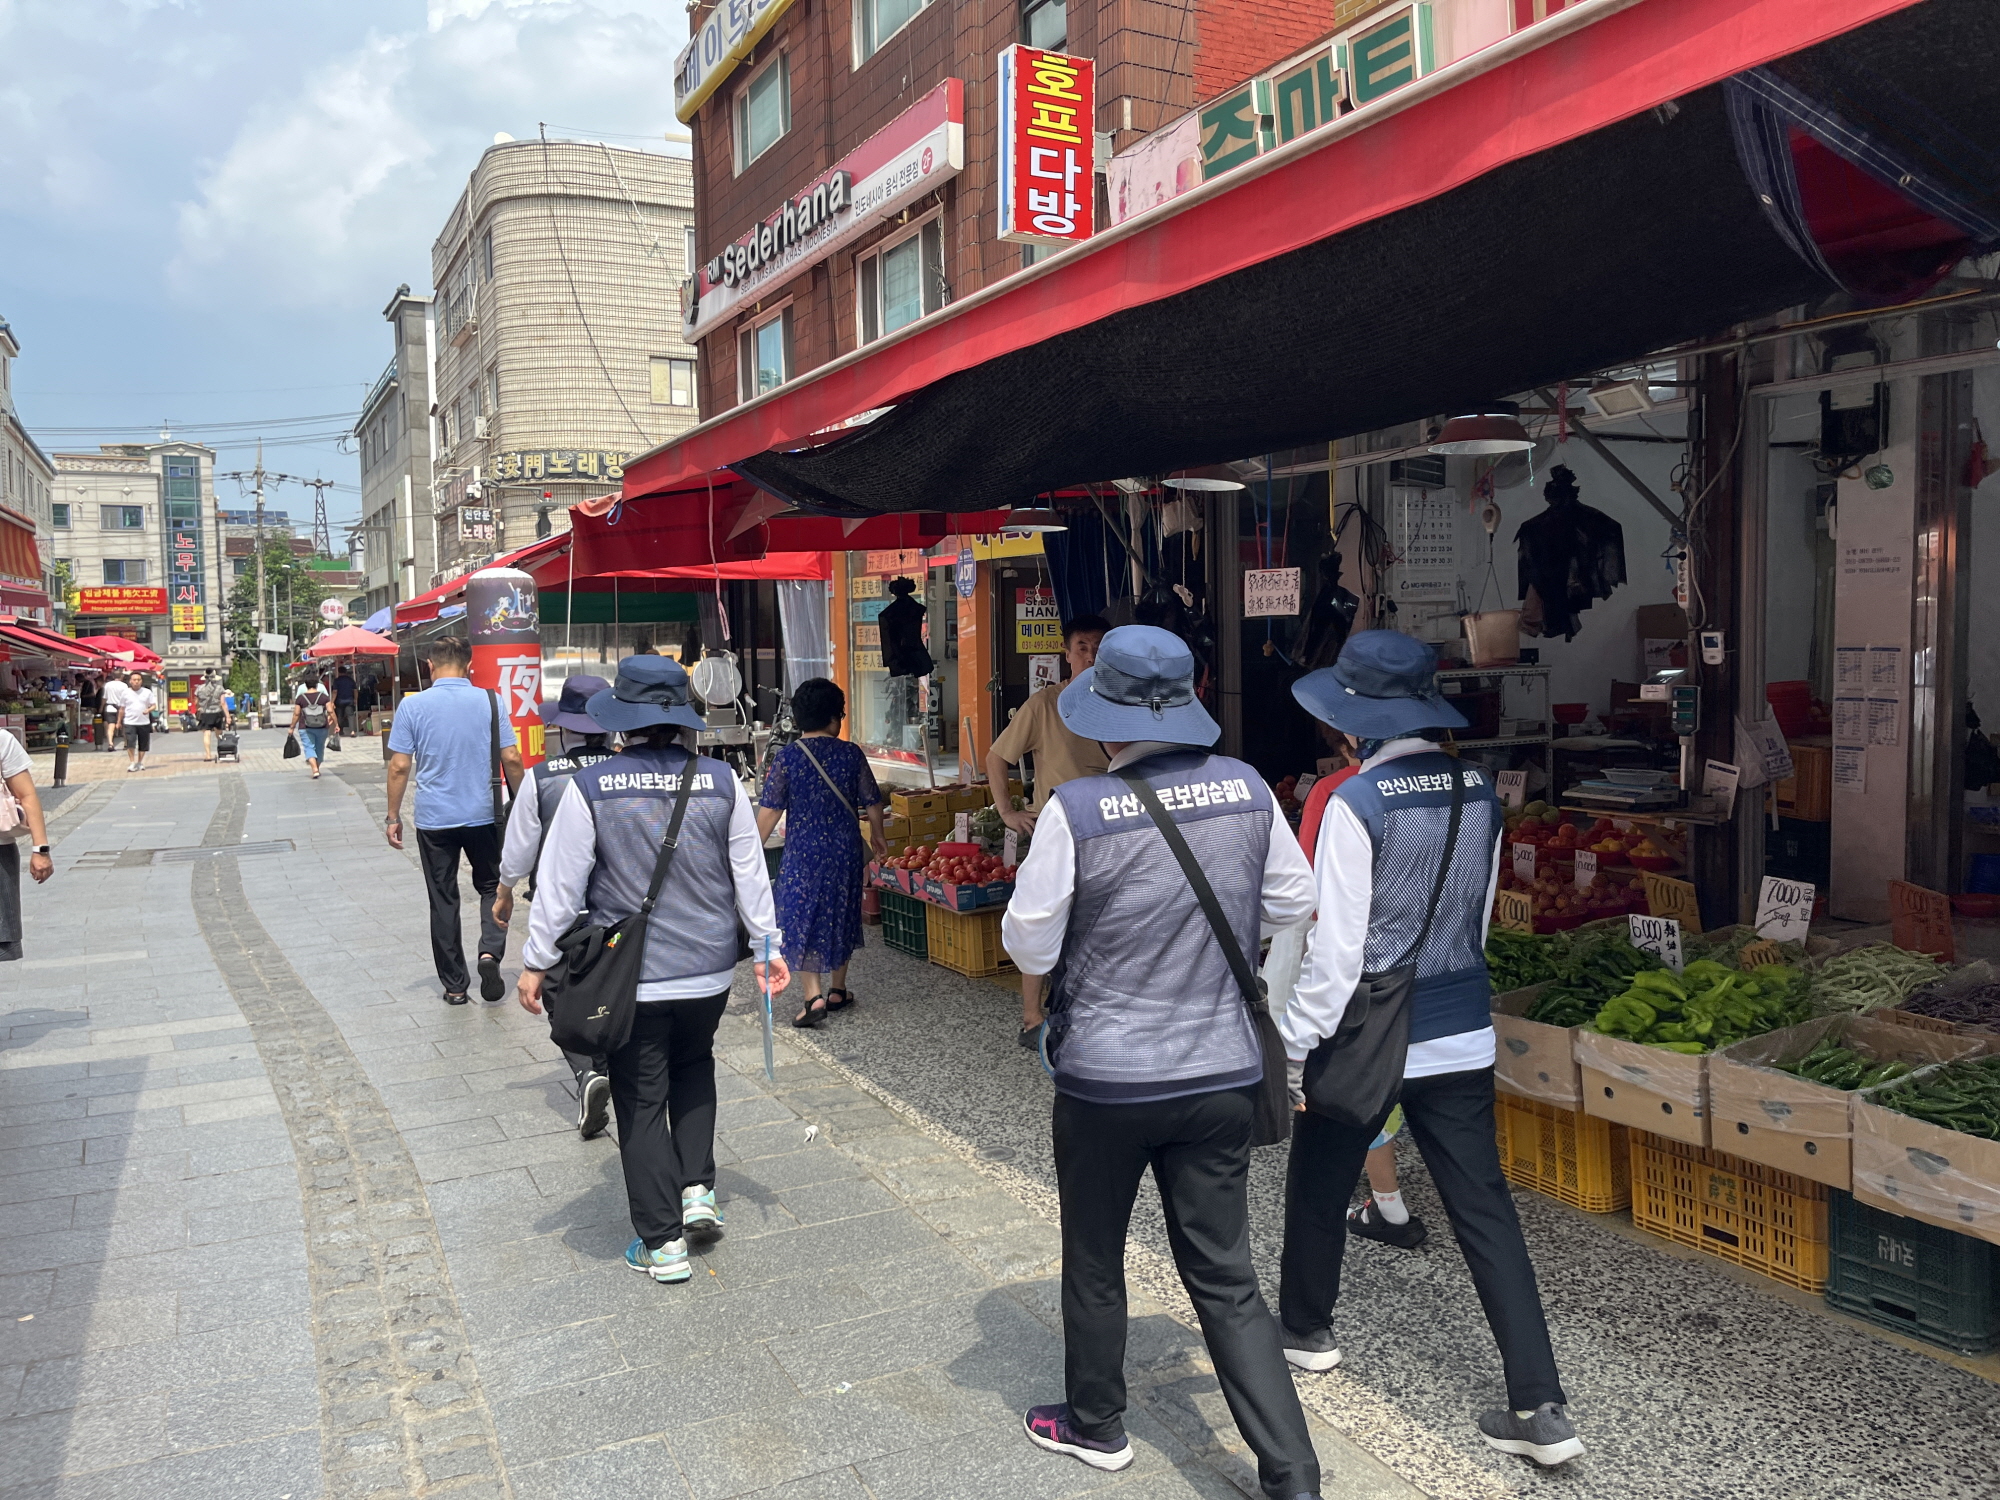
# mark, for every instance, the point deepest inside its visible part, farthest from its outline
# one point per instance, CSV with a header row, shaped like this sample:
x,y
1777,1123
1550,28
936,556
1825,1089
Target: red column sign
x,y
503,623
1048,123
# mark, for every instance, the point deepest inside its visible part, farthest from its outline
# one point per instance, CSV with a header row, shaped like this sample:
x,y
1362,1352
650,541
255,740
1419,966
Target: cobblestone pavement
x,y
274,1222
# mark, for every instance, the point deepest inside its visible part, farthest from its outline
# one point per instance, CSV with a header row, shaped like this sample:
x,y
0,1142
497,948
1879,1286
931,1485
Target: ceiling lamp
x,y
1215,478
1033,518
1494,429
1620,398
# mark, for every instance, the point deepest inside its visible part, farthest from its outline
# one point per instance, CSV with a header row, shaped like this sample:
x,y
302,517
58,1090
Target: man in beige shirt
x,y
1037,729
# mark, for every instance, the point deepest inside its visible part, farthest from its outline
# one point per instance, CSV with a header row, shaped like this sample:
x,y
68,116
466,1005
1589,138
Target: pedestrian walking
x,y
134,703
822,786
343,698
1156,1058
90,710
1037,730
579,742
1407,860
460,746
212,712
23,810
601,854
312,719
367,695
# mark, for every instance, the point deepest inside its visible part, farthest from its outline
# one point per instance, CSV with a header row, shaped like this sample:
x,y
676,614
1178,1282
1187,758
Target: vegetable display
x,y
1519,959
1972,1007
1703,1007
1841,1067
1963,1096
1870,978
1596,966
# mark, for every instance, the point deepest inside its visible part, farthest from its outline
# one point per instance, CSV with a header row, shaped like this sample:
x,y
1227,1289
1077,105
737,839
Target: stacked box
x,y
1531,1059
1916,1278
967,799
1651,1088
905,928
967,943
1563,1153
1754,1216
916,804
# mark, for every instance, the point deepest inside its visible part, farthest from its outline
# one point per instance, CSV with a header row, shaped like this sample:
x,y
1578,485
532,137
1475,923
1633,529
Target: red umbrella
x,y
124,650
352,640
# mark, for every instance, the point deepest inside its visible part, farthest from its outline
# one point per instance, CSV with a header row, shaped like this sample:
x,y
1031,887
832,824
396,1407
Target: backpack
x,y
314,706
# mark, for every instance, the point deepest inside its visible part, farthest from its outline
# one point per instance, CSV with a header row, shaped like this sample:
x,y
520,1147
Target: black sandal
x,y
846,999
812,1015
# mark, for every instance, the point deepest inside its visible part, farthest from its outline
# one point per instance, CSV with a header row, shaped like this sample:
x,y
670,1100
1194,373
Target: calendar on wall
x,y
1425,535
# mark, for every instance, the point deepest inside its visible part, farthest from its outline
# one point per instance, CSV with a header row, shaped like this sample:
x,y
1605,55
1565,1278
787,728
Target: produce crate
x,y
1807,794
905,926
966,799
967,942
916,804
1564,1153
1916,1278
1760,1218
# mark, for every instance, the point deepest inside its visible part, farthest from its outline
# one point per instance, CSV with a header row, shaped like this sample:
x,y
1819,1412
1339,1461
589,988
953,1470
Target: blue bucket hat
x,y
1384,684
650,690
1142,688
570,711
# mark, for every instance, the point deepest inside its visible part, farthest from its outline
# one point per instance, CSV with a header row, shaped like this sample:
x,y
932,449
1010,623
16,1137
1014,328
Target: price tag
x,y
1514,910
961,828
1756,955
1524,863
1586,868
1010,848
1784,909
1920,920
1667,897
1658,935
1302,789
1513,787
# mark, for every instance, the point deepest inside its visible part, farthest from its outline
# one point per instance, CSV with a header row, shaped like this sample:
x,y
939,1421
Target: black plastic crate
x,y
1916,1278
1798,849
905,927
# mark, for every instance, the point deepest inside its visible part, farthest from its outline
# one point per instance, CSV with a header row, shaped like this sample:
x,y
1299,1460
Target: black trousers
x,y
439,850
1450,1117
1199,1150
663,1089
583,1064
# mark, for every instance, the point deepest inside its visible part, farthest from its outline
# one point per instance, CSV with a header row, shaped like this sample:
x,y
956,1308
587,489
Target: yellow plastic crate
x,y
1573,1157
966,942
1768,1221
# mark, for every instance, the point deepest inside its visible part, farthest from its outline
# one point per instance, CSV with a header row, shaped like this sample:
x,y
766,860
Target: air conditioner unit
x,y
479,427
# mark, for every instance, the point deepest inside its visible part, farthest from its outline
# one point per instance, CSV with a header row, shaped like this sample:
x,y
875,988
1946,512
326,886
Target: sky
x,y
205,204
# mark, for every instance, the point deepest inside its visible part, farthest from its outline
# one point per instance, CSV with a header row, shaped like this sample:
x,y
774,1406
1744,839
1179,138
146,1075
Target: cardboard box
x,y
1923,1171
1663,637
1651,1088
967,799
1764,1115
928,827
916,804
1531,1059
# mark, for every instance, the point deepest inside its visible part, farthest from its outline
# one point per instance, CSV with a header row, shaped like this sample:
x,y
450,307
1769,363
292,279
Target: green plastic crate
x,y
1916,1278
905,926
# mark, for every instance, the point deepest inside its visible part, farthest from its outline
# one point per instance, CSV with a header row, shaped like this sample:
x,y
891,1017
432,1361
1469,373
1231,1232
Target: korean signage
x,y
907,560
121,601
186,592
556,464
1037,622
729,34
1048,112
190,619
912,155
475,524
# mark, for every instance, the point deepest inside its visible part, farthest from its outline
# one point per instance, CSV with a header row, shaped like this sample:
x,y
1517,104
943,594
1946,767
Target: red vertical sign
x,y
1048,114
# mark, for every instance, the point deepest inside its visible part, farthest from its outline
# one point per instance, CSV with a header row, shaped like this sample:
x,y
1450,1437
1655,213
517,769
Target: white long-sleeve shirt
x,y
1344,872
1038,913
562,881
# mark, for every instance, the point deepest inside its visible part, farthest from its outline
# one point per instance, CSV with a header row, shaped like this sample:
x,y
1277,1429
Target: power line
x,y
252,425
255,390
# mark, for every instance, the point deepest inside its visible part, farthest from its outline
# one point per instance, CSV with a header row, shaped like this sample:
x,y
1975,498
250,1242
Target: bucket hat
x,y
569,711
1383,684
650,690
1141,688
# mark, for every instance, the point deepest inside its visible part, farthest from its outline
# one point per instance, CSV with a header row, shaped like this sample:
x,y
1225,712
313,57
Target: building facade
x,y
397,537
27,479
558,325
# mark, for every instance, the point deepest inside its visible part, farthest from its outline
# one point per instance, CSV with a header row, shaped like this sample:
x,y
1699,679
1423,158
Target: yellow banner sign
x,y
190,619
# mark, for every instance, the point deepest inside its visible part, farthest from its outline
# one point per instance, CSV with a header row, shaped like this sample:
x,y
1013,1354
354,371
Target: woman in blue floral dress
x,y
823,785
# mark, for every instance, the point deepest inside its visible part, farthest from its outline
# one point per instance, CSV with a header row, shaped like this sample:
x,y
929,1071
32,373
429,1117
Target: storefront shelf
x,y
1572,1157
1759,1218
1511,739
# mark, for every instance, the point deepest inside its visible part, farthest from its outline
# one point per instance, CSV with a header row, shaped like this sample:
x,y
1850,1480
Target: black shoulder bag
x,y
592,991
499,775
1273,1120
1355,1075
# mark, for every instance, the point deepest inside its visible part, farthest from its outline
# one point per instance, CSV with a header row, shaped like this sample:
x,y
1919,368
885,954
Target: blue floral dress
x,y
819,886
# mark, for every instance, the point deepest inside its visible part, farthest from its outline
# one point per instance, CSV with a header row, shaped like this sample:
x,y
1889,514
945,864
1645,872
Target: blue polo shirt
x,y
447,729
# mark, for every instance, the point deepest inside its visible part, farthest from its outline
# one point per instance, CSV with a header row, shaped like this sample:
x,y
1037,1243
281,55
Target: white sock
x,y
1392,1208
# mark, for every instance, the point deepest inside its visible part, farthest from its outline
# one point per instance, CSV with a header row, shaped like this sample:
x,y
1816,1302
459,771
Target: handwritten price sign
x,y
1524,863
1514,910
1784,909
1658,935
1586,868
1920,920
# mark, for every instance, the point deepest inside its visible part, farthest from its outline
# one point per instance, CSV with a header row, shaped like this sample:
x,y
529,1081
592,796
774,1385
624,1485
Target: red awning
x,y
26,638
1572,76
130,652
776,565
20,558
424,607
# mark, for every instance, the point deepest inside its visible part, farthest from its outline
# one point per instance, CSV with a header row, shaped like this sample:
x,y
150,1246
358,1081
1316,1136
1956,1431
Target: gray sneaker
x,y
1546,1434
1309,1351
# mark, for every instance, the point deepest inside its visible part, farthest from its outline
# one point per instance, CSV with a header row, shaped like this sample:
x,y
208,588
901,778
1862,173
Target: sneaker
x,y
1309,1351
491,987
1365,1219
1546,1435
668,1263
456,997
699,1215
1049,1427
593,1105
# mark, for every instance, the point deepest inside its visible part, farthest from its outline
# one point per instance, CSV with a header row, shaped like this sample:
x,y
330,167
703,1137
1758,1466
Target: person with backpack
x,y
312,719
579,742
213,711
1144,889
1408,856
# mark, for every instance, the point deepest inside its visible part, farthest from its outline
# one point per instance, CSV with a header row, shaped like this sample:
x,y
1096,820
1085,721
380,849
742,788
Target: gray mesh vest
x,y
1145,1005
631,797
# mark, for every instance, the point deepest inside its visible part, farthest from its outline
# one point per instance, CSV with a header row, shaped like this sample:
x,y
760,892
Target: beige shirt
x,y
1059,754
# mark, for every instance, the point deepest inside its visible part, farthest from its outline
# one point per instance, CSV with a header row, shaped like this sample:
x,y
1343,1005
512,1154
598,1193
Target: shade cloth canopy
x,y
352,640
120,648
775,565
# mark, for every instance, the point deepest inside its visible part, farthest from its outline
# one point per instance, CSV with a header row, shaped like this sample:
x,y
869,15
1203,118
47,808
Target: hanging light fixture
x,y
1216,477
1033,518
1495,428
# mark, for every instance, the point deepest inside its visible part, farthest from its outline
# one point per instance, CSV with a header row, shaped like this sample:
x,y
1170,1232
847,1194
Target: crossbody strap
x,y
672,841
493,702
1246,979
1444,869
829,782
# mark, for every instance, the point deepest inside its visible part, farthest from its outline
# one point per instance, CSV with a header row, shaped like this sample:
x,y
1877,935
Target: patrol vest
x,y
552,779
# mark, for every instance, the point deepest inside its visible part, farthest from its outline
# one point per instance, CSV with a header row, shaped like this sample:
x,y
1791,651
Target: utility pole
x,y
322,531
263,661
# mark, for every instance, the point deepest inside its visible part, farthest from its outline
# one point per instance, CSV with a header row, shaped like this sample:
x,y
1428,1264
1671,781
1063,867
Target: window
x,y
124,570
1045,24
59,517
901,283
239,565
763,112
673,382
444,429
493,390
486,253
882,19
121,518
183,478
764,356
688,230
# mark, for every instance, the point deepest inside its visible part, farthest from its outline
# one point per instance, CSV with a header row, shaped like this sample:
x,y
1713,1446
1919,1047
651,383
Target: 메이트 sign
x,y
729,35
121,600
1270,591
1048,106
1037,622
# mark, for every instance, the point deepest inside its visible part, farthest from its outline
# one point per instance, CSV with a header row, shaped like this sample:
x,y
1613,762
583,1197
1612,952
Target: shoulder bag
x,y
592,990
852,816
1273,1120
1355,1075
499,776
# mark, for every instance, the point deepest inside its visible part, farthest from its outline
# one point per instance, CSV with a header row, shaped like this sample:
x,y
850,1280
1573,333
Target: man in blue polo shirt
x,y
447,734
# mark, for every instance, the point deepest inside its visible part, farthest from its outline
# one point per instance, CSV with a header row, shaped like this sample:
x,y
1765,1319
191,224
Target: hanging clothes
x,y
1569,556
902,621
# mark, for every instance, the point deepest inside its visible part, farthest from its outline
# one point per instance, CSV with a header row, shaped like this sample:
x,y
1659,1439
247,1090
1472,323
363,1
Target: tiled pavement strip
x,y
274,1222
